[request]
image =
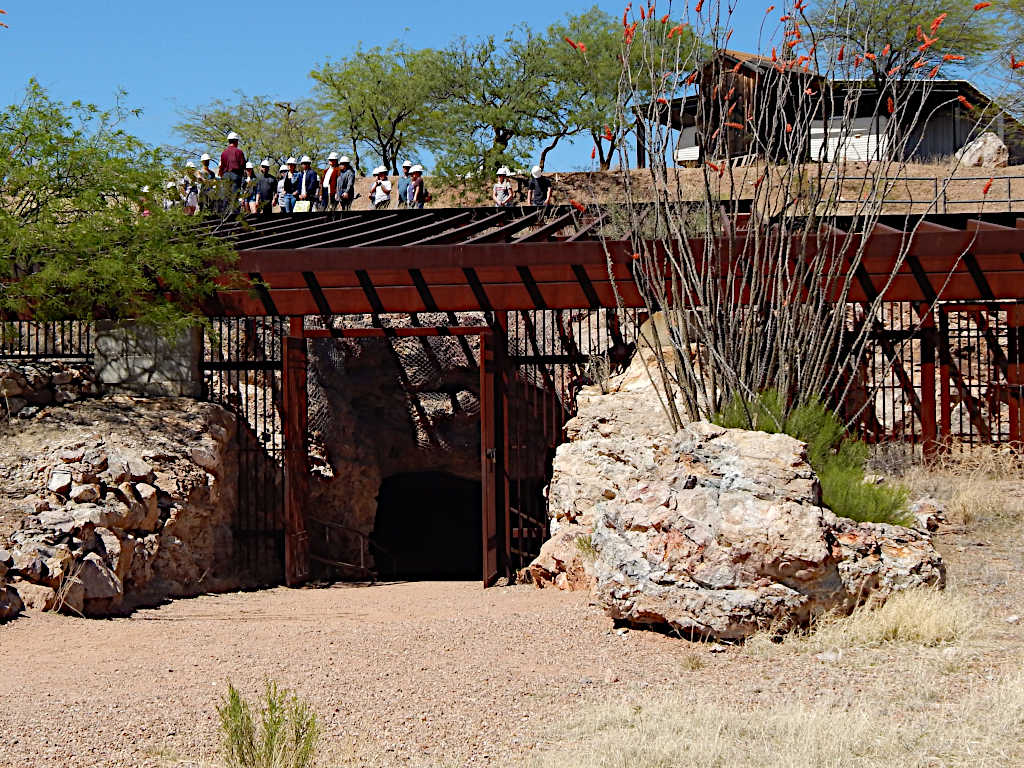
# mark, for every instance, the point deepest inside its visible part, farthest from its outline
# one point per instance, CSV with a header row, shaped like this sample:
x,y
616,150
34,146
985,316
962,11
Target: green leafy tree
x,y
896,33
270,128
380,100
83,228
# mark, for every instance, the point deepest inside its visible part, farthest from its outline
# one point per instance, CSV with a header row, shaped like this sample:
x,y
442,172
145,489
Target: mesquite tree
x,y
752,267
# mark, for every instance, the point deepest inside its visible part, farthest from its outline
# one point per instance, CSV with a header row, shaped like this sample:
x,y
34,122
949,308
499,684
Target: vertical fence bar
x,y
1015,346
295,416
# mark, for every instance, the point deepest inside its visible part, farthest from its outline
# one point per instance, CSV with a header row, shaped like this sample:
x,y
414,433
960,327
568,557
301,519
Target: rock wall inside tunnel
x,y
380,408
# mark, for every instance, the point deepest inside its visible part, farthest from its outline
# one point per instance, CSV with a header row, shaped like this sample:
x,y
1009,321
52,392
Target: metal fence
x,y
929,193
70,340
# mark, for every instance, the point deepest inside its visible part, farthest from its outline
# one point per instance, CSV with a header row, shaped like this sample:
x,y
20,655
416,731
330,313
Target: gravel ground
x,y
430,674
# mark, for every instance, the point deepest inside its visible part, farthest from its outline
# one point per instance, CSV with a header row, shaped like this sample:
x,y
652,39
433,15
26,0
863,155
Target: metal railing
x,y
23,340
940,195
365,546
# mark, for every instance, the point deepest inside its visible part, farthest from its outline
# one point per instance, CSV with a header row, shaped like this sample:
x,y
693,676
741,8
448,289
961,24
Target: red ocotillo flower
x,y
809,92
737,126
625,18
789,128
736,68
636,256
593,152
935,70
642,14
608,134
691,79
757,183
676,30
770,9
892,71
952,57
793,43
839,56
731,92
1014,64
581,47
890,105
664,19
787,17
919,63
577,205
571,42
870,56
698,6
774,55
979,6
987,187
885,51
728,35
928,42
662,100
937,21
965,102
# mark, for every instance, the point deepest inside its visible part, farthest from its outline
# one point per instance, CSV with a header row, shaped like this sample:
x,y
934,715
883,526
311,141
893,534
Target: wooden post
x,y
296,470
929,426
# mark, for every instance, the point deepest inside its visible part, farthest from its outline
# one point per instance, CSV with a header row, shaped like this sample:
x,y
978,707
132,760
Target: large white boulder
x,y
986,151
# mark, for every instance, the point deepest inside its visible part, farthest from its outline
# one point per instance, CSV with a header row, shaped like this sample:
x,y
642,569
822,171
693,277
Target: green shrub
x,y
838,458
286,735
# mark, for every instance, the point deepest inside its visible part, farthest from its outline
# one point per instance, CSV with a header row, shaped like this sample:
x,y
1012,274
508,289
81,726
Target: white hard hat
x,y
332,156
249,165
190,164
536,172
407,164
283,168
504,171
344,159
265,164
416,168
305,159
233,136
291,161
379,170
171,185
206,156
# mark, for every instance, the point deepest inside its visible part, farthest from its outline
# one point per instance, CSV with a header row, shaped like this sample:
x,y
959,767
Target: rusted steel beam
x,y
506,230
545,231
373,333
460,233
414,233
296,409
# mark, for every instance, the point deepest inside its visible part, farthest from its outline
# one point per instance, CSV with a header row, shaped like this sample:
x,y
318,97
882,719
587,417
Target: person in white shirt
x,y
502,192
380,192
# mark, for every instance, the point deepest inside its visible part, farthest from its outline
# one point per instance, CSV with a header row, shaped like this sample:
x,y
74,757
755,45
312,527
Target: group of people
x,y
297,187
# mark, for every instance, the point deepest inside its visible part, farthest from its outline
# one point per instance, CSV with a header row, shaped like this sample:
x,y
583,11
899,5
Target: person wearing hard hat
x,y
539,187
501,194
286,186
171,198
329,184
232,162
189,189
417,194
206,179
346,189
266,187
307,184
403,185
380,192
249,188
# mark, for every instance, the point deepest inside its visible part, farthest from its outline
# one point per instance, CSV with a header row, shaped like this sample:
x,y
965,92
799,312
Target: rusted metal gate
x,y
243,365
943,379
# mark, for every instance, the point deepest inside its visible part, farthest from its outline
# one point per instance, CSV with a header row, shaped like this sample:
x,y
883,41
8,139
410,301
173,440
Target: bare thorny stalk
x,y
763,301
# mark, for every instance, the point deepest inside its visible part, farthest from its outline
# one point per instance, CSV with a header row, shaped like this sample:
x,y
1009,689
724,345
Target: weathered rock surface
x,y
104,508
986,151
25,387
710,531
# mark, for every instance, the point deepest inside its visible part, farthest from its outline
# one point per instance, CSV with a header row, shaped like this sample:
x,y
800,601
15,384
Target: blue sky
x,y
173,54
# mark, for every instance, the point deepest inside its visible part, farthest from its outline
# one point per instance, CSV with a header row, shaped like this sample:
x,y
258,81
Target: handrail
x,y
365,544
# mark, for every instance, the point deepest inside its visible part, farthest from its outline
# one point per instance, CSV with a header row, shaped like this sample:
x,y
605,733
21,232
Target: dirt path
x,y
414,674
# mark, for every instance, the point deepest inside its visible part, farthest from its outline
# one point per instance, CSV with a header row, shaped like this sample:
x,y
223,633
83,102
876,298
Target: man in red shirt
x,y
232,163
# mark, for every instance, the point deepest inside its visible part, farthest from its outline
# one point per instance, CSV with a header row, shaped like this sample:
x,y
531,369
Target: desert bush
x,y
838,458
283,733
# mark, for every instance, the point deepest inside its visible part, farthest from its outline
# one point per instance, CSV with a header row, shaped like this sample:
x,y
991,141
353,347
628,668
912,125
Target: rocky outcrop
x,y
119,502
986,151
10,600
26,387
711,531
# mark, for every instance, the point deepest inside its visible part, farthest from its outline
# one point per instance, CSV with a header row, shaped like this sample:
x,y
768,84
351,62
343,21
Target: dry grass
x,y
924,726
921,617
980,485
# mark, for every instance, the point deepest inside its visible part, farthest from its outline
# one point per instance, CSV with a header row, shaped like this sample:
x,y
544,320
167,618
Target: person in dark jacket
x,y
346,189
329,183
266,188
286,186
307,184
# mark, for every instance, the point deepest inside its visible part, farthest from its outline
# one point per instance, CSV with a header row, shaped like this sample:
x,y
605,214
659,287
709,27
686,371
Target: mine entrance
x,y
430,525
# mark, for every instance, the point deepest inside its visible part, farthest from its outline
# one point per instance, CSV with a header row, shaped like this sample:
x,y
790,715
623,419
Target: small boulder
x,y
60,482
10,602
986,151
71,455
83,494
37,596
102,588
139,471
147,495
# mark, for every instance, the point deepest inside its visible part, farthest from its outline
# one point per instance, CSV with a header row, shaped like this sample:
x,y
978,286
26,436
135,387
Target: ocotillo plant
x,y
753,266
